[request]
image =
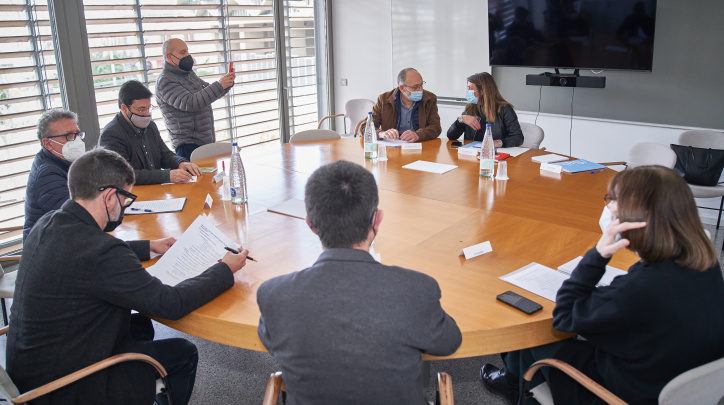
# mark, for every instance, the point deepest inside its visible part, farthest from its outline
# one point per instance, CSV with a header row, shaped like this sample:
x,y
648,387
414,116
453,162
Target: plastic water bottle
x,y
237,175
487,154
370,138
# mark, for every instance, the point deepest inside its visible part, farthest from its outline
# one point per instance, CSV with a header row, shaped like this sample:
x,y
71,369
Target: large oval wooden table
x,y
428,218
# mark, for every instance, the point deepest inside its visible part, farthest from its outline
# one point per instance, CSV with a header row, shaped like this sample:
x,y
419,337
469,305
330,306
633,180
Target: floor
x,y
228,375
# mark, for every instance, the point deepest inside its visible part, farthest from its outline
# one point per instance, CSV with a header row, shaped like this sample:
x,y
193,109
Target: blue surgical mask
x,y
415,95
470,96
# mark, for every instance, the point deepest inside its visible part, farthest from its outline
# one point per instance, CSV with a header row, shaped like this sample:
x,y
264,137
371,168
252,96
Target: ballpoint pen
x,y
236,252
141,209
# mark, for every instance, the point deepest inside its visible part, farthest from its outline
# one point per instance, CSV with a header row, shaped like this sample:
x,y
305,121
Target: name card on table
x,y
476,250
218,177
551,167
208,202
468,151
411,146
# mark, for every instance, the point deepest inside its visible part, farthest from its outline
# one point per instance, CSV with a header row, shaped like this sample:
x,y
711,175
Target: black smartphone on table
x,y
519,302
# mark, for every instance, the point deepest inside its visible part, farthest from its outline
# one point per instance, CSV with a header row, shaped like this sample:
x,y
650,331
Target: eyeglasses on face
x,y
140,110
130,197
415,88
608,198
70,136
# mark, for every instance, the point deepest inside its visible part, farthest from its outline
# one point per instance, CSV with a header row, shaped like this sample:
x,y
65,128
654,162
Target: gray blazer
x,y
351,330
74,294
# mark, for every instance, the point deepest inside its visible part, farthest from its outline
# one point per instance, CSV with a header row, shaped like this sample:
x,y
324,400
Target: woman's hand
x,y
471,121
608,245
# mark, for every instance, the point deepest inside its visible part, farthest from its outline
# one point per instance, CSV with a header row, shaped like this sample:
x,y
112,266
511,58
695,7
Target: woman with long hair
x,y
664,317
486,105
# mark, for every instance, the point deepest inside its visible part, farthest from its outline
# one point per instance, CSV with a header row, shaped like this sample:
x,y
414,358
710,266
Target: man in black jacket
x,y
76,288
133,135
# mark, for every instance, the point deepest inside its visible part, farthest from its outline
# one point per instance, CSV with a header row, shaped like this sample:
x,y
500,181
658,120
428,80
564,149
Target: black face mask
x,y
186,63
112,225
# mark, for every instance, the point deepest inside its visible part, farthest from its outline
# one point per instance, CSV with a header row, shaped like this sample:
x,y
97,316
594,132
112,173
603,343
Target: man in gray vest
x,y
349,330
185,100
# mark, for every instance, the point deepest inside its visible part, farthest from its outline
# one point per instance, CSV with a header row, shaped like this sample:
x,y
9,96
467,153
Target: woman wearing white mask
x,y
486,105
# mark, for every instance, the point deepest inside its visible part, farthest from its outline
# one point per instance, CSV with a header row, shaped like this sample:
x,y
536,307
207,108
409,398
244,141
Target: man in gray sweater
x,y
76,288
185,99
349,330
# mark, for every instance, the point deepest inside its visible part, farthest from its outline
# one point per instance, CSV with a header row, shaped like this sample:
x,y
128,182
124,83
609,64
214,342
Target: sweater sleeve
x,y
112,139
513,134
582,308
179,97
455,130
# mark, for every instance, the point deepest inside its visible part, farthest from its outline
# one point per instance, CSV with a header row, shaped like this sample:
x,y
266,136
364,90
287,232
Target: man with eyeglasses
x,y
47,187
185,99
408,112
76,288
133,135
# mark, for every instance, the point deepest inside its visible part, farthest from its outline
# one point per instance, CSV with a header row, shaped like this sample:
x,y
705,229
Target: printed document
x,y
156,206
200,247
538,279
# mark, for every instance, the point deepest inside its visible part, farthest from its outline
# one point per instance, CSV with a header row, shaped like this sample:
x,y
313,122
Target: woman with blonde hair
x,y
486,105
664,317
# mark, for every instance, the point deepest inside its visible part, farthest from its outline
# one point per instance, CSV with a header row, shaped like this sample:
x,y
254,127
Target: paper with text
x,y
538,279
199,248
430,167
156,206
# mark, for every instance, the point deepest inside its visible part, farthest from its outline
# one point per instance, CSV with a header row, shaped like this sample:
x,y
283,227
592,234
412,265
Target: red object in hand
x,y
231,66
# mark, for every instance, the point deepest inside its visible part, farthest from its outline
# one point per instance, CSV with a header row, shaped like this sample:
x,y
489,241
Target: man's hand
x,y
471,121
190,167
160,246
180,176
228,80
389,134
607,245
409,136
236,261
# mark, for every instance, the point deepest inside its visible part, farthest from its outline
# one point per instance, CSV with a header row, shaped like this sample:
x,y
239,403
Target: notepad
x,y
580,165
549,158
156,206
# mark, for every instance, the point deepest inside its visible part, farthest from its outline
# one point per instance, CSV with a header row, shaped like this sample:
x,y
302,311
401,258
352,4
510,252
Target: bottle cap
x,y
488,124
233,144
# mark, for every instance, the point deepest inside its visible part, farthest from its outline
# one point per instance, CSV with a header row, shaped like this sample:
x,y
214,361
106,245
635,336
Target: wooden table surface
x,y
533,217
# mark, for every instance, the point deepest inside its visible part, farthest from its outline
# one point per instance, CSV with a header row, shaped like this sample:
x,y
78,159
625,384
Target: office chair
x,y
314,135
532,135
211,149
356,111
12,394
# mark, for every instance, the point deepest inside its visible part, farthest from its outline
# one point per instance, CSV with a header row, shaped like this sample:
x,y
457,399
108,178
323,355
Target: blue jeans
x,y
178,356
185,150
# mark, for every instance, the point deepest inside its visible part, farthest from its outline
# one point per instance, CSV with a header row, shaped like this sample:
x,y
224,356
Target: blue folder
x,y
580,165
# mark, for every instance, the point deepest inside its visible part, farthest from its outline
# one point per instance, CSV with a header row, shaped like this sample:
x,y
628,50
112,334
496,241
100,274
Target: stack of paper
x,y
430,167
549,158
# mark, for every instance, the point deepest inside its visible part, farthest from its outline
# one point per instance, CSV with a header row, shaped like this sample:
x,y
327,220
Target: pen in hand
x,y
236,252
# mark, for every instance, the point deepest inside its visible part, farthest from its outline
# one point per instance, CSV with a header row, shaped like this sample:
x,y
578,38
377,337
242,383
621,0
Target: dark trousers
x,y
185,150
178,356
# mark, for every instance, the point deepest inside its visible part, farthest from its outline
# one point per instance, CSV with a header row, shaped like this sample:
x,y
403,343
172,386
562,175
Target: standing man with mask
x,y
62,143
185,99
408,112
76,288
133,135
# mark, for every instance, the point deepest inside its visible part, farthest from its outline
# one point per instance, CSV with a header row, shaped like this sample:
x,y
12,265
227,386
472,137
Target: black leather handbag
x,y
700,166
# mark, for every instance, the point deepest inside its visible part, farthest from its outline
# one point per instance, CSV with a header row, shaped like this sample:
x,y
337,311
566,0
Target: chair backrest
x,y
314,135
7,387
211,149
700,385
702,138
532,135
649,153
357,109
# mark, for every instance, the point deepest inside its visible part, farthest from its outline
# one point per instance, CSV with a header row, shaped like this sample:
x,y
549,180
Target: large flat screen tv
x,y
572,34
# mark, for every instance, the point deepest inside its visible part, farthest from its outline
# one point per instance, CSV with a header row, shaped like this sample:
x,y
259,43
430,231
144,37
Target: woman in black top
x,y
664,317
486,105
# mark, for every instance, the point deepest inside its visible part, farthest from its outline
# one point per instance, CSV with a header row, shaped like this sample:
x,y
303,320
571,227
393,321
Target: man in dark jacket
x,y
76,288
349,330
408,112
185,99
47,188
133,135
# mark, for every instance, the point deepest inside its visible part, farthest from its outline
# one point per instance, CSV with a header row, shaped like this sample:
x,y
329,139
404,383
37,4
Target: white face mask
x,y
72,150
605,221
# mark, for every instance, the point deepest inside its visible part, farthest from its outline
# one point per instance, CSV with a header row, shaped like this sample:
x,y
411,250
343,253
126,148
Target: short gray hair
x,y
164,47
402,76
341,199
95,169
51,116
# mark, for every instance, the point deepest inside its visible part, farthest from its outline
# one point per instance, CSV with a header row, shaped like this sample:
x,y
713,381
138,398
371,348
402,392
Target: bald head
x,y
174,49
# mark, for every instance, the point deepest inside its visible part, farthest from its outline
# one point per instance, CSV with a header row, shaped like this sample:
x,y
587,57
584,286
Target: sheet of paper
x,y
538,279
513,151
207,169
549,158
193,180
476,250
156,206
608,276
430,167
200,247
392,143
293,208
